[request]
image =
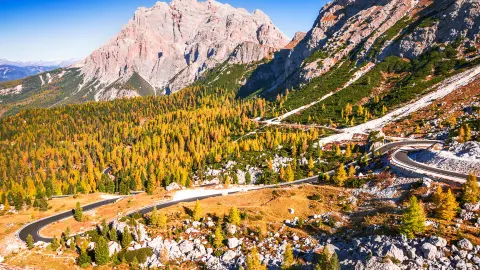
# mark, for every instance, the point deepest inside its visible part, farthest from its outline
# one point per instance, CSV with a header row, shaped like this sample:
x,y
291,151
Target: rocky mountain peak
x,y
170,45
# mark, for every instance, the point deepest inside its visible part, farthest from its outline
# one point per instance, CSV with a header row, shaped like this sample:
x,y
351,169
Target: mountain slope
x,y
367,30
169,46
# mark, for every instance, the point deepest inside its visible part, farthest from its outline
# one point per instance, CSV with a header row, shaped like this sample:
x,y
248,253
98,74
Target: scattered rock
x,y
465,244
233,243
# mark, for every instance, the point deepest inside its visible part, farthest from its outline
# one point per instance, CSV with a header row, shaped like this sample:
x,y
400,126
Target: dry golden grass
x,y
269,206
107,212
10,223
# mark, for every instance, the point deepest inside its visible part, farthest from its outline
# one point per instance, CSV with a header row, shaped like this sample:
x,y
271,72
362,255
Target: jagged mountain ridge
x,y
170,45
370,30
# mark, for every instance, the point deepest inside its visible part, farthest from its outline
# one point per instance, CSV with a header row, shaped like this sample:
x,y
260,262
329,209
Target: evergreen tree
x,y
438,196
154,219
162,220
101,251
113,235
29,241
348,151
334,263
197,211
351,172
449,206
290,174
413,219
253,261
84,260
66,234
234,216
324,259
104,228
340,176
218,241
248,178
288,259
126,237
470,189
78,215
55,244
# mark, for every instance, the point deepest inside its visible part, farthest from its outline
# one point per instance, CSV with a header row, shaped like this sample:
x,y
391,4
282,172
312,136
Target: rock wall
x,y
169,45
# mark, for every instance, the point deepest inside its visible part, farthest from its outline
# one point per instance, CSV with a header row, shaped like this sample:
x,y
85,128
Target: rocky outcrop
x,y
368,30
170,45
444,21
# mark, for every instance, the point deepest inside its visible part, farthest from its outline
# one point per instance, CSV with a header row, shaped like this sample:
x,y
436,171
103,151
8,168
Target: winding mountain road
x,y
400,155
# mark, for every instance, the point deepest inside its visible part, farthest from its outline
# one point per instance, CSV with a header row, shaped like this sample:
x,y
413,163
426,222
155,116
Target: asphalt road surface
x,y
35,227
403,157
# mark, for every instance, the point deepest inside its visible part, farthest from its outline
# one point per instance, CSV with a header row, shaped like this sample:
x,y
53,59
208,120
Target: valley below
x,y
201,137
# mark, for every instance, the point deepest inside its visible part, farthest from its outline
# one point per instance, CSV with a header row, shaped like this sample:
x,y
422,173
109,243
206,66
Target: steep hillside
x,y
160,51
170,45
369,31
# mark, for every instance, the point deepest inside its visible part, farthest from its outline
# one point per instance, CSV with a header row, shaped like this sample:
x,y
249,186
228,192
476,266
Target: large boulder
x,y
233,242
186,246
465,244
438,241
429,251
113,247
377,263
229,256
390,250
173,186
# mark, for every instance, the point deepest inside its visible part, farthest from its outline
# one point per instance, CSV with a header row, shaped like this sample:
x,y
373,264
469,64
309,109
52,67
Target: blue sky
x,y
32,30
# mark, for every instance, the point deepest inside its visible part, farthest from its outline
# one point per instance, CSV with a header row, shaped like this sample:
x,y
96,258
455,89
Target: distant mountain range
x,y
11,70
60,63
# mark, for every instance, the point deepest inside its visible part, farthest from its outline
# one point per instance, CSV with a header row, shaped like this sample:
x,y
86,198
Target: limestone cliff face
x,y
170,45
449,20
370,30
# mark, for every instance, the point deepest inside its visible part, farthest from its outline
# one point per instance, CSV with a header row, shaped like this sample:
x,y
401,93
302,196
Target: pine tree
x,y
449,206
101,251
311,164
253,261
338,152
218,241
29,241
348,151
438,196
351,172
162,220
84,260
413,219
55,244
324,259
290,174
461,135
234,216
248,178
197,211
78,215
113,235
288,258
340,176
154,219
66,234
470,189
126,237
334,263
468,133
